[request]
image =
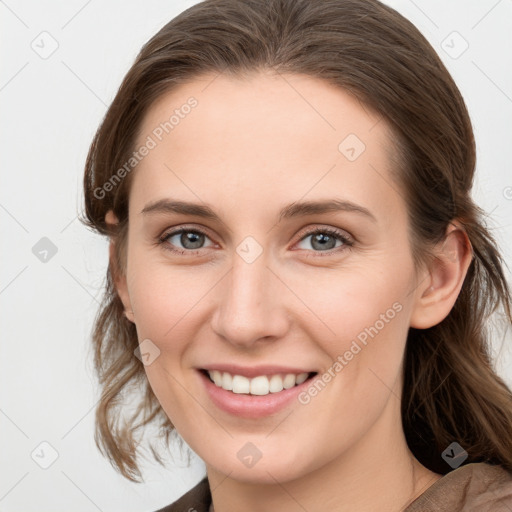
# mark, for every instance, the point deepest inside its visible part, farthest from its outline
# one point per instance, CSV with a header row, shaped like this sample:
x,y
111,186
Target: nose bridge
x,y
250,307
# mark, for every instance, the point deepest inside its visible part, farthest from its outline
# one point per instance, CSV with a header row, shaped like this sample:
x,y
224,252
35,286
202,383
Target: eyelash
x,y
347,243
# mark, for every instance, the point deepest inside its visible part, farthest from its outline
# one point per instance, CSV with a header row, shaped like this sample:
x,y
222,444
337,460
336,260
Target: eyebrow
x,y
298,209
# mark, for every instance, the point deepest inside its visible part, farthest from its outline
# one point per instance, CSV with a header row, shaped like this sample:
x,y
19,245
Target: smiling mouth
x,y
260,385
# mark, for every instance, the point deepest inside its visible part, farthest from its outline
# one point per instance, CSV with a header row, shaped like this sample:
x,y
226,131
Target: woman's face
x,y
248,285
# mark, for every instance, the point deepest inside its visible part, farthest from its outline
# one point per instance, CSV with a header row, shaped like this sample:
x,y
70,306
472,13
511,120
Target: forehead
x,y
262,103
277,136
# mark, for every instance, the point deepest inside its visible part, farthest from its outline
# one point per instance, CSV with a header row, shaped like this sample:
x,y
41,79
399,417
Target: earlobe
x,y
118,276
436,295
110,218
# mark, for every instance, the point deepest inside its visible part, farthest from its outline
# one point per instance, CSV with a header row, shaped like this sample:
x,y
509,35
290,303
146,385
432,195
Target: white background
x,y
50,110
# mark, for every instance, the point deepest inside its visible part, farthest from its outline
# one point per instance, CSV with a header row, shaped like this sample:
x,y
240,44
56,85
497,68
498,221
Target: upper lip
x,y
254,371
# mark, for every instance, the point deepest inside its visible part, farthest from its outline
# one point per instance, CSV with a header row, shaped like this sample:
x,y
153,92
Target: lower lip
x,y
251,406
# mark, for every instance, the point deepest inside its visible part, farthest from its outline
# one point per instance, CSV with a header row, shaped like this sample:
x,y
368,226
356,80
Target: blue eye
x,y
190,239
323,240
326,239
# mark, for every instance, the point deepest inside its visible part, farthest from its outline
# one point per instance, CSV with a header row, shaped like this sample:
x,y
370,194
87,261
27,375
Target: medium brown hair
x,y
451,390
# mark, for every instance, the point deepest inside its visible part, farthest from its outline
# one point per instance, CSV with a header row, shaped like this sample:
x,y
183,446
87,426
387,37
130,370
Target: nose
x,y
251,304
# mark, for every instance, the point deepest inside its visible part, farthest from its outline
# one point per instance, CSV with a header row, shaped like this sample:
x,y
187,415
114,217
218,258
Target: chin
x,y
266,470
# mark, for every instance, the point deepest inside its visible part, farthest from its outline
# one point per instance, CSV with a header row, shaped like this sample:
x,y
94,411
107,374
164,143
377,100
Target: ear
x,y
437,293
118,276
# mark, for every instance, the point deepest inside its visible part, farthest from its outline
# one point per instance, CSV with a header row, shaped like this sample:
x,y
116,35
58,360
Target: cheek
x,y
343,304
166,302
156,308
368,312
361,322
162,295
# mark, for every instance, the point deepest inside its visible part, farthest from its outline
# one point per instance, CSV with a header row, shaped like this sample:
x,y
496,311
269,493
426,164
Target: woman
x,y
299,280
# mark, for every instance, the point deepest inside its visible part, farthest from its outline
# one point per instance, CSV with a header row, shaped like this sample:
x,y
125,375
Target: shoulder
x,y
198,499
475,487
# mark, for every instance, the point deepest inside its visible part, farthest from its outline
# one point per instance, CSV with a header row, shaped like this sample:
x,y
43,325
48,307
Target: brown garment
x,y
475,487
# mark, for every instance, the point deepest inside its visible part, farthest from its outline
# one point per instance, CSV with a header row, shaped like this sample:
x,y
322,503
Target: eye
x,y
325,239
184,241
190,241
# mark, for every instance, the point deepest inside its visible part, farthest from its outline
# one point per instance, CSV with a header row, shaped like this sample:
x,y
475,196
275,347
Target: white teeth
x,y
241,384
276,384
261,385
301,378
289,381
227,381
217,377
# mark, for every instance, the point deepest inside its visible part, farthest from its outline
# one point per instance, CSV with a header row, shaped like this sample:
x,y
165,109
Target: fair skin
x,y
249,148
